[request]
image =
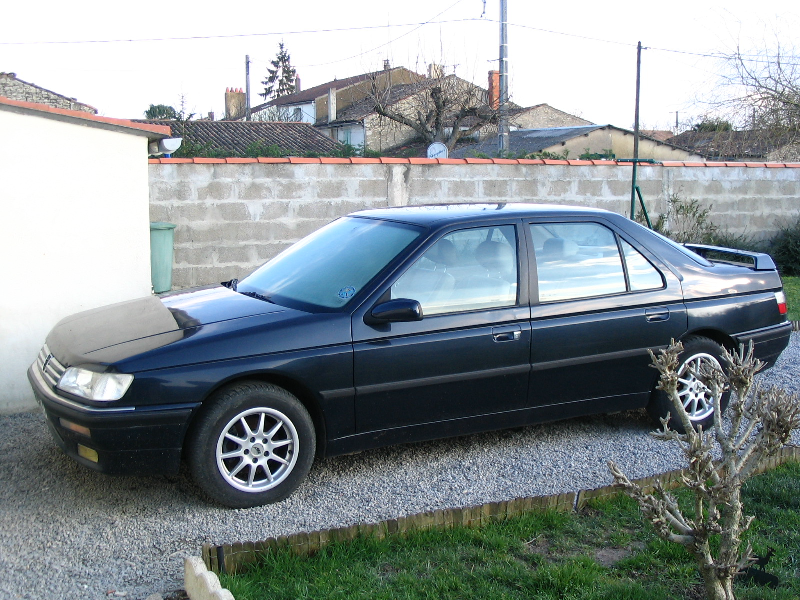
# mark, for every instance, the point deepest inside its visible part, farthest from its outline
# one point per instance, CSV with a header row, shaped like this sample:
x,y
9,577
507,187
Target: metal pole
x,y
247,87
636,129
502,129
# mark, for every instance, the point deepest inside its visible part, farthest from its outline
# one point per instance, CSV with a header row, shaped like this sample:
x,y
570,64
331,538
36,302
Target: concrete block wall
x,y
233,215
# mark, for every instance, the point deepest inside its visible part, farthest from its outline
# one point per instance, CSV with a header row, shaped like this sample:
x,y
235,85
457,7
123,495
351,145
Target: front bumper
x,y
127,440
768,342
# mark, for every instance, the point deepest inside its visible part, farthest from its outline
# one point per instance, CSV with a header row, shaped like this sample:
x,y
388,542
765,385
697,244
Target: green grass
x,y
606,552
791,287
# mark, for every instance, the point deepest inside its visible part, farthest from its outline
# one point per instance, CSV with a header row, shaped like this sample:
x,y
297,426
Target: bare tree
x,y
761,422
770,87
439,108
760,96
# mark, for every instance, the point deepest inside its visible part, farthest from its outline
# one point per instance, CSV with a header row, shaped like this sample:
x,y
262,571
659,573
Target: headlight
x,y
94,386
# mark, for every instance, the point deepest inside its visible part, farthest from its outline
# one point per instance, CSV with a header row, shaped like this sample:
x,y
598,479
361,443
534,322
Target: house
x,y
345,109
311,105
76,205
14,88
740,145
237,138
606,140
360,124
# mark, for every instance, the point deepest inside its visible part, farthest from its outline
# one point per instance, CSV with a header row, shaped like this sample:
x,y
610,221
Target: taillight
x,y
780,298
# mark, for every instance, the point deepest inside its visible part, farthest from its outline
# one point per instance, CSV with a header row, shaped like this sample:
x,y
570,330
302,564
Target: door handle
x,y
507,336
654,315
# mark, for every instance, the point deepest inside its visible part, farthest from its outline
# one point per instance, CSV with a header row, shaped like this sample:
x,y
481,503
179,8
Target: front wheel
x,y
695,397
252,445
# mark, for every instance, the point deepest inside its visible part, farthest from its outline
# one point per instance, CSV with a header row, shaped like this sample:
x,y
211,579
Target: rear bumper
x,y
768,342
127,440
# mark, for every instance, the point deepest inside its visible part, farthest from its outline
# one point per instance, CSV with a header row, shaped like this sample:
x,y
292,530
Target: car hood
x,y
150,322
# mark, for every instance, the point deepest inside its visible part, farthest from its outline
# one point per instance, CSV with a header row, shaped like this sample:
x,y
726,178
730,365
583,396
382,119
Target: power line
x,y
244,35
428,22
416,25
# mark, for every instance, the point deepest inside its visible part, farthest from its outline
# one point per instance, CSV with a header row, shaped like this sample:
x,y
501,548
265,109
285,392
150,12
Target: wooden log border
x,y
236,557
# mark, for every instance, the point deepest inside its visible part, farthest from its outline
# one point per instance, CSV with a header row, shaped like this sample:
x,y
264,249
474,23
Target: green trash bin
x,y
161,241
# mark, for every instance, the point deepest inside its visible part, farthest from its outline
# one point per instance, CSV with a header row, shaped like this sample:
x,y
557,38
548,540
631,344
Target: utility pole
x,y
502,129
636,129
247,86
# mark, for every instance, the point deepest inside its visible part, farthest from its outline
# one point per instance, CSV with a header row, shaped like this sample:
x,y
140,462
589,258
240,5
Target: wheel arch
x,y
715,335
306,397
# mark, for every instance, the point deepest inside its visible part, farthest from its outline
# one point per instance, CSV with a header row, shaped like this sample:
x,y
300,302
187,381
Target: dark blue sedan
x,y
399,325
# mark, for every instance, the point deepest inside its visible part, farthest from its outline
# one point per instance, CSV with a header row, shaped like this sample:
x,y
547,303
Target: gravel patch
x,y
67,532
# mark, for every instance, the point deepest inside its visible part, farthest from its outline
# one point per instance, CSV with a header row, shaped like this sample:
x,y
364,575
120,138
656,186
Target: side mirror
x,y
401,310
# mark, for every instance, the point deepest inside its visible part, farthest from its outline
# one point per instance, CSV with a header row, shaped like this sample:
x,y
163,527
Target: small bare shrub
x,y
761,422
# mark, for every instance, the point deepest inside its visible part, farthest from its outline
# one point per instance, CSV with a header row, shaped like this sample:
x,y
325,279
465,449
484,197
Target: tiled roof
x,y
360,110
153,129
662,135
727,145
83,106
536,140
236,136
529,140
315,92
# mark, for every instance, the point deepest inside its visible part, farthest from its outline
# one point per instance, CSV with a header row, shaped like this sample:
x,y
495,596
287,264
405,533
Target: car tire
x,y
253,444
695,396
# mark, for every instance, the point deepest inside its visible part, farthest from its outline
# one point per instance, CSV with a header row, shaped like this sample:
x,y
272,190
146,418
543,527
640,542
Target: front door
x,y
468,356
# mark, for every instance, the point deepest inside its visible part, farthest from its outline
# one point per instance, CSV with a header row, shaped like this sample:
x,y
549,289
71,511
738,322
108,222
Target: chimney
x,y
435,71
211,116
235,103
331,105
494,89
386,64
297,84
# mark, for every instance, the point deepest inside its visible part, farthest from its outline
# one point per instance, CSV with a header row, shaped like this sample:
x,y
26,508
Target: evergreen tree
x,y
281,77
160,111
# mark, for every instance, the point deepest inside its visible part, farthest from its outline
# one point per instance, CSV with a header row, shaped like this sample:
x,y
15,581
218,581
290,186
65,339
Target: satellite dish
x,y
437,150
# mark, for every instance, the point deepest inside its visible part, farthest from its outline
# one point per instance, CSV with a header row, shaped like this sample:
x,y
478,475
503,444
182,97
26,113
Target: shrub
x,y
684,221
785,249
719,462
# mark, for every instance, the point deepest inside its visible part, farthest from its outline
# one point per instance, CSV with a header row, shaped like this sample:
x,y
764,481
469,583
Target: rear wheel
x,y
694,395
252,445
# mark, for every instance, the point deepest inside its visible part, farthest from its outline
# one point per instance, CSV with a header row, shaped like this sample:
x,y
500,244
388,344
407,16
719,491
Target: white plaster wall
x,y
74,209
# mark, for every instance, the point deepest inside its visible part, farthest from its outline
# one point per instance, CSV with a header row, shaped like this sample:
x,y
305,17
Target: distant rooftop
x,y
236,136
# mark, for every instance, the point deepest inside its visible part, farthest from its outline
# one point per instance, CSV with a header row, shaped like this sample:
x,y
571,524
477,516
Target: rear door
x,y
599,301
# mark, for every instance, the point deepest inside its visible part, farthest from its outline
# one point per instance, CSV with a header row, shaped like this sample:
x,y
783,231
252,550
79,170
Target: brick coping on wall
x,y
460,161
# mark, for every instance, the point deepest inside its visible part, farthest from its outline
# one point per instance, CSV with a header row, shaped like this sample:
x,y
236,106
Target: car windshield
x,y
330,266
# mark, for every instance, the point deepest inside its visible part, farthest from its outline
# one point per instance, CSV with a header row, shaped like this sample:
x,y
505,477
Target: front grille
x,y
51,369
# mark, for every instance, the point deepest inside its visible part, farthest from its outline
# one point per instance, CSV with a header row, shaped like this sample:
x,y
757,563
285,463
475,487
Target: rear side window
x,y
642,275
583,260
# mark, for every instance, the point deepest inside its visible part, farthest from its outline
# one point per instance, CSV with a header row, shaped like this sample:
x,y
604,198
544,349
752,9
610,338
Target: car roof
x,y
437,215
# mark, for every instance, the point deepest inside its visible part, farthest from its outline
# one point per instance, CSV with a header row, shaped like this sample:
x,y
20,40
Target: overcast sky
x,y
577,56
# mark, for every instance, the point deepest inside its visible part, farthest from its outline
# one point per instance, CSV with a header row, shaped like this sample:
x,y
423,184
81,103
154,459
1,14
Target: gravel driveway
x,y
67,532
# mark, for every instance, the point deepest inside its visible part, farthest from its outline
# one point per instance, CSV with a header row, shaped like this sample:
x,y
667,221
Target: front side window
x,y
330,266
583,260
470,269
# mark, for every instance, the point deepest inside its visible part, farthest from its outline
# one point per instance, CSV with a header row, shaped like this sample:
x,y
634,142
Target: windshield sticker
x,y
347,292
